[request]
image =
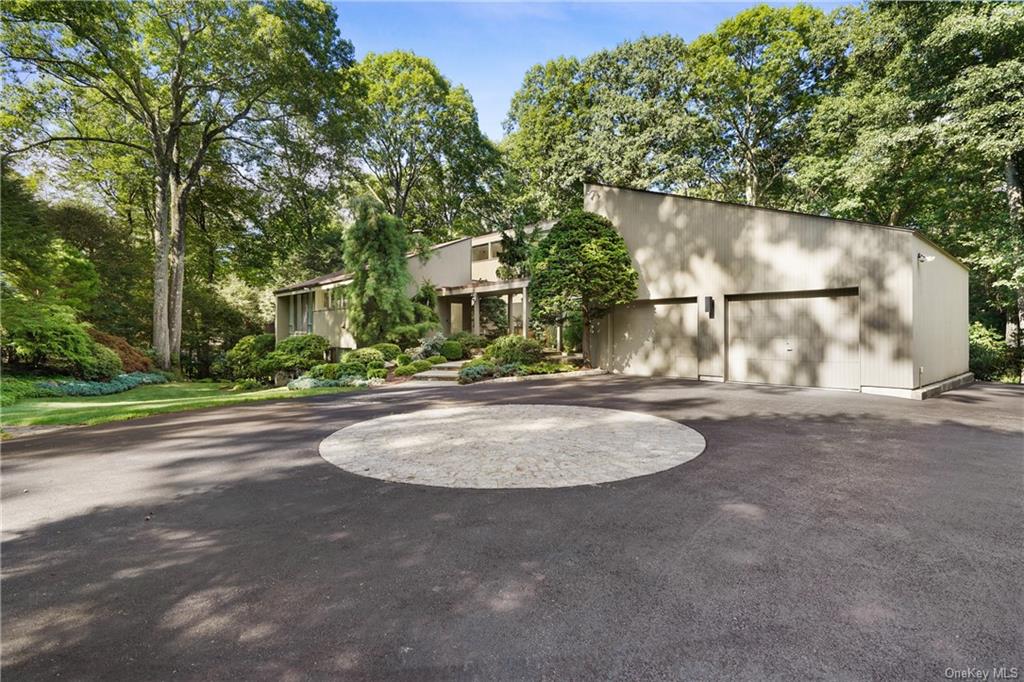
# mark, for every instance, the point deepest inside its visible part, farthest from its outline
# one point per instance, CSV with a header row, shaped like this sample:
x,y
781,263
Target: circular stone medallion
x,y
511,446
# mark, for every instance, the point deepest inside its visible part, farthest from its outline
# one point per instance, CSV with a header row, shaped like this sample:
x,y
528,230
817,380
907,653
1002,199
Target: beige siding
x,y
693,248
447,266
940,314
652,338
783,340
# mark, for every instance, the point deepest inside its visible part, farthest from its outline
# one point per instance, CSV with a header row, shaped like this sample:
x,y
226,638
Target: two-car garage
x,y
730,292
798,339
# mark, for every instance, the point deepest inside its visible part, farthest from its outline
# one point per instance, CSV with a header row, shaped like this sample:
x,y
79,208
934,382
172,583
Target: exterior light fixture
x,y
921,258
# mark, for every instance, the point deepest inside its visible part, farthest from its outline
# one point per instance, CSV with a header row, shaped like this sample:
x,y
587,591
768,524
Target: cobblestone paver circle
x,y
511,446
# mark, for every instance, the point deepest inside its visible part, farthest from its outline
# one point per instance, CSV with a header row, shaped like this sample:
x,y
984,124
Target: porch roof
x,y
509,286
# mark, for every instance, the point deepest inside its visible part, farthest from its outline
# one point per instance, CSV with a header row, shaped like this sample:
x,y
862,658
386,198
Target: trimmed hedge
x,y
422,365
363,356
514,349
452,350
390,351
337,370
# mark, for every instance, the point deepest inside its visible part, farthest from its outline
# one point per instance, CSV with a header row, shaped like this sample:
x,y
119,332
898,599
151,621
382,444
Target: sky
x,y
488,47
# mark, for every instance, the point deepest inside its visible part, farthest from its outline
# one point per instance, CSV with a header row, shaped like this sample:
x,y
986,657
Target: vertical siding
x,y
446,266
940,315
692,248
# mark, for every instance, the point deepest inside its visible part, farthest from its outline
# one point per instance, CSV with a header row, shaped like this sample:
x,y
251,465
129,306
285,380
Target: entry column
x,y
476,314
526,313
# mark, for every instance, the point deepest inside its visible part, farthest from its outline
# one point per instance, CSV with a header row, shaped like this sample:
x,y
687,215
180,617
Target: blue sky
x,y
487,47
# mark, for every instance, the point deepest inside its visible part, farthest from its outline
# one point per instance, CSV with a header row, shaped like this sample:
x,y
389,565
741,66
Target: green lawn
x,y
140,402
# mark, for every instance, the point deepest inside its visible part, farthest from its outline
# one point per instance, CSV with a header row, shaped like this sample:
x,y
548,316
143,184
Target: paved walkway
x,y
821,534
512,446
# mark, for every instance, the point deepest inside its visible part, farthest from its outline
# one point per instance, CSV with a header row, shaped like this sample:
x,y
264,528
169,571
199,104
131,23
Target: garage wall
x,y
940,314
650,338
685,247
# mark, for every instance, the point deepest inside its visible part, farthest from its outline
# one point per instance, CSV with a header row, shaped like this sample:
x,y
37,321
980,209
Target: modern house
x,y
727,292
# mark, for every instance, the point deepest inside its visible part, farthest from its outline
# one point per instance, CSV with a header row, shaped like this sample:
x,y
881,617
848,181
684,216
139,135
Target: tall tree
x,y
375,248
755,82
169,81
620,116
419,131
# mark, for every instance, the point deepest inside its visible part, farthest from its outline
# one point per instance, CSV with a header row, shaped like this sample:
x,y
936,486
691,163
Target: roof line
x,y
898,228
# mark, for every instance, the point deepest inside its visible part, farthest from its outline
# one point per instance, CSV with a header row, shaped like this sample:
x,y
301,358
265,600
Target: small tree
x,y
514,258
582,266
375,248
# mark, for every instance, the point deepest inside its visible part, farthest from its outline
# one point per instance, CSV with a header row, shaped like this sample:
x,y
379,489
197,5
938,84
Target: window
x,y
480,253
336,298
300,313
495,249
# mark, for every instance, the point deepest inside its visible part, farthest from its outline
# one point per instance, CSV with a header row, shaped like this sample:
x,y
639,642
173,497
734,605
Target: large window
x,y
480,253
300,313
495,249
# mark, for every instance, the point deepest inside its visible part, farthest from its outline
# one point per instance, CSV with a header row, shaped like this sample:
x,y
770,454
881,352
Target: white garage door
x,y
657,339
810,339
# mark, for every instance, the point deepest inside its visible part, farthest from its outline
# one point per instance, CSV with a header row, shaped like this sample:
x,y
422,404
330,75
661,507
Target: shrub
x,y
477,372
469,342
410,334
377,373
247,385
432,344
118,384
304,382
294,354
375,364
336,370
512,369
548,368
132,359
991,357
436,359
421,365
244,360
47,336
363,356
406,370
102,366
390,351
452,350
514,349
402,359
13,389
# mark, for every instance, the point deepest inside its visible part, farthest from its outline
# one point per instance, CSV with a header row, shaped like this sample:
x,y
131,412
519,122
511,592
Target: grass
x,y
140,402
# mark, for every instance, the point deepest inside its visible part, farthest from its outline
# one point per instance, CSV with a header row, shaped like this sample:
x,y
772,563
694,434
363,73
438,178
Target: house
x,y
727,292
463,271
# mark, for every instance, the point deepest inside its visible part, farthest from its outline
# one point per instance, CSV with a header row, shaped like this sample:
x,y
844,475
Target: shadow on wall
x,y
690,248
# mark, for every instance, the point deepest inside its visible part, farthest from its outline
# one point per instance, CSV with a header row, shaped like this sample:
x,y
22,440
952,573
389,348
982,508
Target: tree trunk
x,y
1015,202
179,204
161,248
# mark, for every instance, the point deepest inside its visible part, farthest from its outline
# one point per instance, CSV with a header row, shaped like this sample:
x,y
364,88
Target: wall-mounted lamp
x,y
921,258
709,306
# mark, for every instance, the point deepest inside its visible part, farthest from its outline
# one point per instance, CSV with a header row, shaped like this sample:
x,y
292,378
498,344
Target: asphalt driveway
x,y
821,534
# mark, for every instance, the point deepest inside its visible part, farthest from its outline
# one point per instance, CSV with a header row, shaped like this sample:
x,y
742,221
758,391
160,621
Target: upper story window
x,y
495,249
480,253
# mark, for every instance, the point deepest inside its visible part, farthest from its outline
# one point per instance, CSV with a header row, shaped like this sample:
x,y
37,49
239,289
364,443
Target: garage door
x,y
657,339
802,339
